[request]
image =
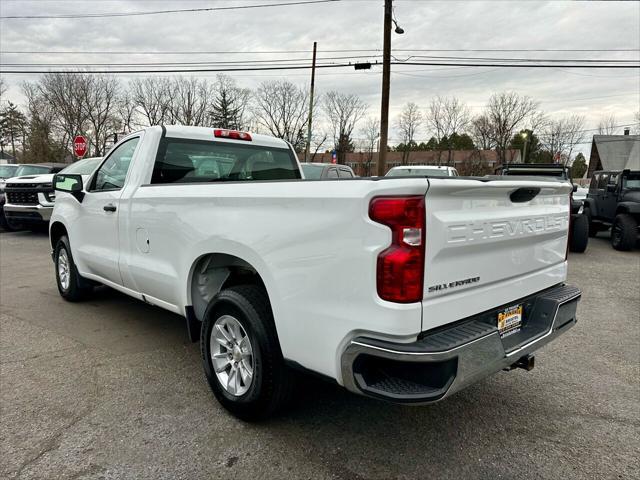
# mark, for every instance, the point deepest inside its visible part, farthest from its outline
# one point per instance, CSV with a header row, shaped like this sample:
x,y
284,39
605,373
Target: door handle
x,y
110,207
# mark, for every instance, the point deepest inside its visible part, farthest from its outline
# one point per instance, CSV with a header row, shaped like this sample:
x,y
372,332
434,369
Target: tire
x,y
594,228
579,234
624,232
72,287
270,385
7,225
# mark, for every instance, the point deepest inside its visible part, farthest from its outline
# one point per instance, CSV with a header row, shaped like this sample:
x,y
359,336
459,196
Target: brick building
x,y
467,162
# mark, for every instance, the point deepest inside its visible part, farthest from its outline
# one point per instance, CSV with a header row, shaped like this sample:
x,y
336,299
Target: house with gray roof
x,y
614,152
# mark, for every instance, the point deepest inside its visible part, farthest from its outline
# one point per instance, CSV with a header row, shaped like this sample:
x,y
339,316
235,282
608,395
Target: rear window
x,y
345,173
631,180
312,172
602,182
418,172
190,161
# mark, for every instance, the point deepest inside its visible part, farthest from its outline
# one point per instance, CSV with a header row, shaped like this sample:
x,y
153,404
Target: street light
x,y
399,30
525,136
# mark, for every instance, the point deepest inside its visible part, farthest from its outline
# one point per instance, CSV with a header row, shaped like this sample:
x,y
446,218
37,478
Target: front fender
x,y
628,207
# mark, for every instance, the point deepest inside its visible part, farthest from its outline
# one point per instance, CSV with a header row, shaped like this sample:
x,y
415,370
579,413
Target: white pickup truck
x,y
403,289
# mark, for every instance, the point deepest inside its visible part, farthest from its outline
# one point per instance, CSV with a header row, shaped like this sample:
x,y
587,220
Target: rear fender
x,y
591,204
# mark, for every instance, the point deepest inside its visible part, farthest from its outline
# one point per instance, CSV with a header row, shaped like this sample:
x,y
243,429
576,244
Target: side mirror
x,y
575,188
70,184
611,188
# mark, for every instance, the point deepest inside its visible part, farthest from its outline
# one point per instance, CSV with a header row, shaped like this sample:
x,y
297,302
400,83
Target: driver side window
x,y
113,172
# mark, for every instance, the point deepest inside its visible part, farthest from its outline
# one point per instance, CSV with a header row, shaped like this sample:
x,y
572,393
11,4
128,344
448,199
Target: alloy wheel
x,y
64,274
231,355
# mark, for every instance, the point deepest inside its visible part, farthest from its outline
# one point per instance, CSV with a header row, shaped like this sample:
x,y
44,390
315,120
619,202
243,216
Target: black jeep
x,y
614,201
579,227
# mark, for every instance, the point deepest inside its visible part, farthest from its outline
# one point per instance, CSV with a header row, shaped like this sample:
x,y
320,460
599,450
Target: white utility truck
x,y
402,289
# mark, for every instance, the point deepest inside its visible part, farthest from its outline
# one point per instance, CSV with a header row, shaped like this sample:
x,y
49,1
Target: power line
x,y
352,57
225,62
298,67
344,50
179,70
160,12
511,65
505,59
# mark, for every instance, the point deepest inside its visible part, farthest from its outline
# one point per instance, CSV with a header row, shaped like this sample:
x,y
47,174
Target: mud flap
x,y
193,324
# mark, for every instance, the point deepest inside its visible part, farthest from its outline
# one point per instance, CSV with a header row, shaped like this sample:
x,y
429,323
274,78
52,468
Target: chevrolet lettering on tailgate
x,y
470,232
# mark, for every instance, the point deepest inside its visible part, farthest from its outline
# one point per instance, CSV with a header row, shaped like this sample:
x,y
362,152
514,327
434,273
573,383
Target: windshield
x,y
312,172
631,181
8,171
31,170
82,167
417,172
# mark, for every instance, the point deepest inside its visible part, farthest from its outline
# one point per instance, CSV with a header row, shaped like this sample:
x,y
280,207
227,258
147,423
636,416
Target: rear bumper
x,y
446,360
27,213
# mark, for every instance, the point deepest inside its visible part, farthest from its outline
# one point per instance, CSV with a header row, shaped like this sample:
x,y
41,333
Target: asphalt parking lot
x,y
111,388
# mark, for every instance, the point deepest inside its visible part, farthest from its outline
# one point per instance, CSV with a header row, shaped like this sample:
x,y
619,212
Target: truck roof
x,y
207,134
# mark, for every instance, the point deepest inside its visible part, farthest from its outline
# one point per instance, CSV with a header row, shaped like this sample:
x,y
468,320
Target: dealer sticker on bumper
x,y
510,320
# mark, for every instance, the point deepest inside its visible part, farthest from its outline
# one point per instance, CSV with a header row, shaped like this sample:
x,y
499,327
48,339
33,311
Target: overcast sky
x,y
357,24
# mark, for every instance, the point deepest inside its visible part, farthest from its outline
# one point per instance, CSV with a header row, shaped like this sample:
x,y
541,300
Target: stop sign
x,y
80,146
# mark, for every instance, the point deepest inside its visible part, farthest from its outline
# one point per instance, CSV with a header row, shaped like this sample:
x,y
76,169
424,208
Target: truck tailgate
x,y
495,240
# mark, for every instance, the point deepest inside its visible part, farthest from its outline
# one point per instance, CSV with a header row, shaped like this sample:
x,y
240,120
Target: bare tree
x,y
40,142
127,111
282,109
481,132
318,139
230,104
100,101
343,112
371,133
507,113
637,120
560,137
190,101
3,88
608,125
64,93
152,96
407,123
446,116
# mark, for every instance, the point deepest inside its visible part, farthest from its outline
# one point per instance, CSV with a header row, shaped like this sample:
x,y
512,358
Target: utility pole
x,y
386,80
313,82
526,140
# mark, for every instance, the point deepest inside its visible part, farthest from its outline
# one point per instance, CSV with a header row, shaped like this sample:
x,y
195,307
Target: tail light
x,y
231,134
400,271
